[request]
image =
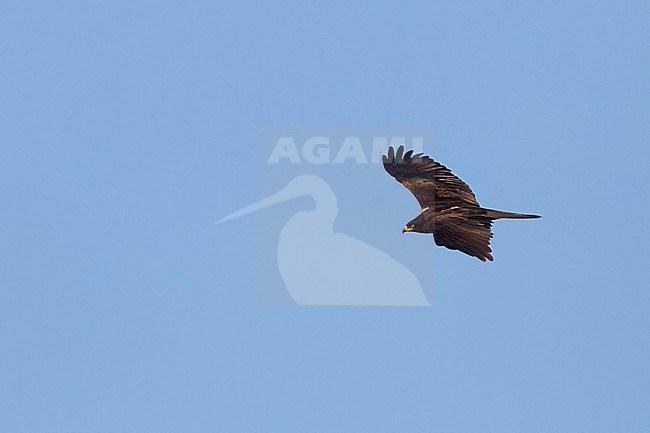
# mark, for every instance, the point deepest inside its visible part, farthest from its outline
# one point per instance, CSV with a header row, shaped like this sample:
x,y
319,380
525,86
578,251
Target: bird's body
x,y
450,210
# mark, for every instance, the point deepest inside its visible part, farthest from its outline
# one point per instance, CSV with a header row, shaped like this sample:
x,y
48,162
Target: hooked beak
x,y
406,229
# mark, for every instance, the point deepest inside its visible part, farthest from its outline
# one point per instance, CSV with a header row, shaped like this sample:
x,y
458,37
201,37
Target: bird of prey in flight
x,y
449,208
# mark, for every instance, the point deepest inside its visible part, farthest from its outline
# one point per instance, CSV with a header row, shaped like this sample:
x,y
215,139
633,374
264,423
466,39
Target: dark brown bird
x,y
449,208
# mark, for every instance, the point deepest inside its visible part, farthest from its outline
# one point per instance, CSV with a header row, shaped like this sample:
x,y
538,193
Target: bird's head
x,y
416,225
408,228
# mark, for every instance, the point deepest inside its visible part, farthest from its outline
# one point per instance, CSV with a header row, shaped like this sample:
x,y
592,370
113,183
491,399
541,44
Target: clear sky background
x,y
126,129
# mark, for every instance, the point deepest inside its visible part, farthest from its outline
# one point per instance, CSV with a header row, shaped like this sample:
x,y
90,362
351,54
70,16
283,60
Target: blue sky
x,y
127,129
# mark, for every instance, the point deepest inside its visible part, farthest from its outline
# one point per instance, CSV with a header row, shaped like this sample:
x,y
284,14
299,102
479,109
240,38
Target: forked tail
x,y
496,214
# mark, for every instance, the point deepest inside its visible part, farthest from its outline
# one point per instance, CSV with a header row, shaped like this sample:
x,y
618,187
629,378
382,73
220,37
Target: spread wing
x,y
427,179
469,234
